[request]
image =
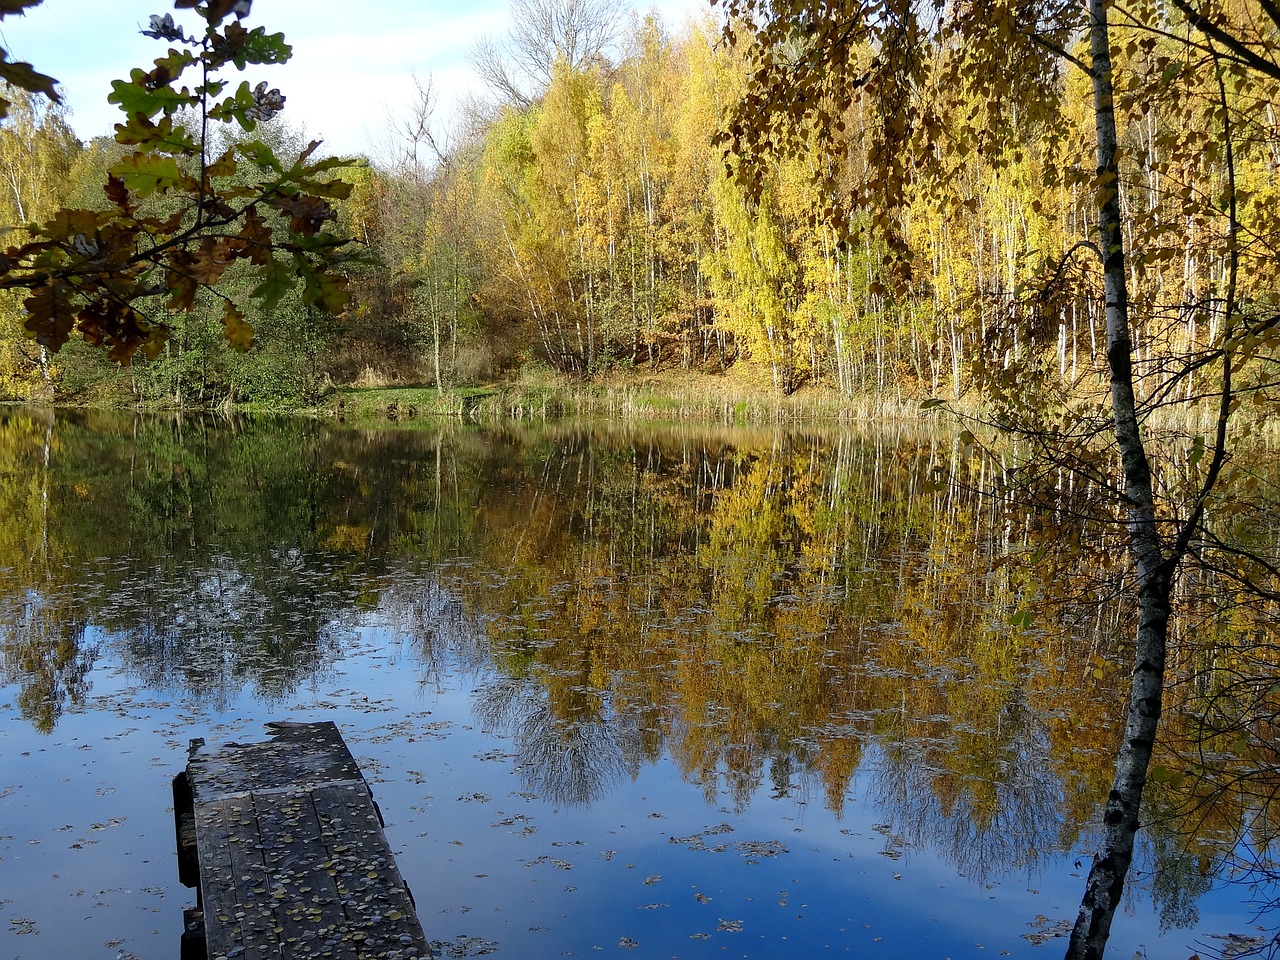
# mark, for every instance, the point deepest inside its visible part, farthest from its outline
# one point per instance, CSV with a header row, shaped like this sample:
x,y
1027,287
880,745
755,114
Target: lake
x,y
619,691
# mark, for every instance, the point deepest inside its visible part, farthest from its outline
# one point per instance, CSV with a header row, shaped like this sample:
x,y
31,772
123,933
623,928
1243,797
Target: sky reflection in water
x,y
545,796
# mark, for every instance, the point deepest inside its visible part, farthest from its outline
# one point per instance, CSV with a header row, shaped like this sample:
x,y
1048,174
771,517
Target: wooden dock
x,y
285,844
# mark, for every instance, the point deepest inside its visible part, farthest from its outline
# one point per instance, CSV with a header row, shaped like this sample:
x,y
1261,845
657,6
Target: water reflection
x,y
769,610
1006,818
569,763
46,652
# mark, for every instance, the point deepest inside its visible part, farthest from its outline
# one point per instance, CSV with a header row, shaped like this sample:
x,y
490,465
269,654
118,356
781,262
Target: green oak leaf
x,y
328,291
257,152
162,136
169,68
256,46
277,281
145,174
133,96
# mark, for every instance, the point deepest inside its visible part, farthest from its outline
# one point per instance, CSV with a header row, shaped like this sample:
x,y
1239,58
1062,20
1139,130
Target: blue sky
x,y
351,68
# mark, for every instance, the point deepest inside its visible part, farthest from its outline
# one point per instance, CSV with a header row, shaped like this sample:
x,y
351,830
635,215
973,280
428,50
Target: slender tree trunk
x,y
46,372
435,343
1121,818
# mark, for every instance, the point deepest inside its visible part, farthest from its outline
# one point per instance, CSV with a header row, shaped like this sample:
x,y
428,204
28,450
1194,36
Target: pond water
x,y
620,692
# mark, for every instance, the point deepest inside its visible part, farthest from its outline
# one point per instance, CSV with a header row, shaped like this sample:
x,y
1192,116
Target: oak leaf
x,y
211,260
238,333
146,174
224,166
180,281
66,224
118,193
307,214
49,315
254,240
328,291
277,281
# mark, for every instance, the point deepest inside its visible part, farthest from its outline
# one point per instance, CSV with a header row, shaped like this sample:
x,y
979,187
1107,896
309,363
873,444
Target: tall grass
x,y
540,394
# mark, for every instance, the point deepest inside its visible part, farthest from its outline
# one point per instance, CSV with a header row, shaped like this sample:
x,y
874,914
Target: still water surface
x,y
618,692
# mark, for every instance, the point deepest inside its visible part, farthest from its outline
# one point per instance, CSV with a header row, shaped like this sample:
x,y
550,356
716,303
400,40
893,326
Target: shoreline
x,y
719,399
542,395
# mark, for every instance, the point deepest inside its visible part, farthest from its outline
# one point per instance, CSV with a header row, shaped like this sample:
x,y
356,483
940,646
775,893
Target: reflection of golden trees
x,y
787,610
209,555
775,611
41,624
781,605
43,652
566,762
1217,767
998,810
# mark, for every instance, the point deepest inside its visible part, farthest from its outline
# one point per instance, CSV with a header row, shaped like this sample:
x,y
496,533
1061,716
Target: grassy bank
x,y
729,399
663,397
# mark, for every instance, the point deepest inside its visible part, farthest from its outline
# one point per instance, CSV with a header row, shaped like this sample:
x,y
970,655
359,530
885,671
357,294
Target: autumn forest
x,y
1050,231
588,221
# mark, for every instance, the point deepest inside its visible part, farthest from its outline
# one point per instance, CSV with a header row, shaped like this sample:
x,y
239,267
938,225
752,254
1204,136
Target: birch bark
x,y
1105,884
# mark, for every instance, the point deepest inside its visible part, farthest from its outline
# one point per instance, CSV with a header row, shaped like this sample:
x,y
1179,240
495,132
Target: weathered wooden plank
x,y
298,756
293,860
310,912
231,868
373,895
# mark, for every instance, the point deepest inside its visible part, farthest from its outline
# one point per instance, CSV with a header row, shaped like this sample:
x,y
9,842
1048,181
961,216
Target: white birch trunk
x,y
1105,884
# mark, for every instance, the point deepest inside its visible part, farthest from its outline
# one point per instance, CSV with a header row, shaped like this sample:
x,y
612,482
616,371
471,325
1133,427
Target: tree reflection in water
x,y
567,762
1000,822
771,611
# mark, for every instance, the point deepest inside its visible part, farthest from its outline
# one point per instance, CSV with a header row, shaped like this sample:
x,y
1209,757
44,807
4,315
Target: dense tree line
x,y
190,219
587,218
609,228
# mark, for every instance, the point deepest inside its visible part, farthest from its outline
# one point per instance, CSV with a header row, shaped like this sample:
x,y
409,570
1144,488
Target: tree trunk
x,y
1121,818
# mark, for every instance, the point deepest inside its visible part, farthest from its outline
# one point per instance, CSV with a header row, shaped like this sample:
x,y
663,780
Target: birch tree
x,y
37,153
544,34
